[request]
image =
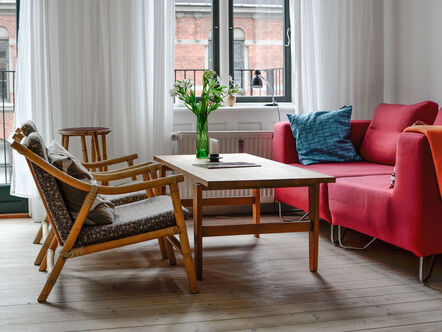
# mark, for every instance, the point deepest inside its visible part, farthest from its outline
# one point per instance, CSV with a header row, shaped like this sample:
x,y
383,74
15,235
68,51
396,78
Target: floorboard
x,y
249,284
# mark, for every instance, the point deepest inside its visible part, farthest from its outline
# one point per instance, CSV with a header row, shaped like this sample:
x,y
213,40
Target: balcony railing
x,y
7,106
275,76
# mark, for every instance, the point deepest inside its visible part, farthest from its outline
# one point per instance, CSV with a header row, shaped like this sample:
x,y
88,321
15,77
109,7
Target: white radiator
x,y
258,143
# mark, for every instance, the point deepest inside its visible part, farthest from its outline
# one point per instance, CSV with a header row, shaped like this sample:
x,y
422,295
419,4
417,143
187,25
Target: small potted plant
x,y
211,98
233,90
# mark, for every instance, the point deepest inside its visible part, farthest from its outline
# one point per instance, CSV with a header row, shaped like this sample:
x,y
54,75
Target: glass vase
x,y
202,138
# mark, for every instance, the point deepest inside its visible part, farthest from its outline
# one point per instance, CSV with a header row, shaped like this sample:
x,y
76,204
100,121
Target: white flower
x,y
188,84
230,79
173,92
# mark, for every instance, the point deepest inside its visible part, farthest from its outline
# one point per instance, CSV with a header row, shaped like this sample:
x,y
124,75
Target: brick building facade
x,y
258,39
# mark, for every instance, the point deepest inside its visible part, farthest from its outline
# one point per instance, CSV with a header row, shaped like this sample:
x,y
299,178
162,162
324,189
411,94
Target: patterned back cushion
x,y
323,136
28,127
102,211
49,188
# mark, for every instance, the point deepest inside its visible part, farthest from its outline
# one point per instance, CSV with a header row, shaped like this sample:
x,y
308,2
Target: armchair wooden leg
x,y
52,279
44,263
39,235
188,261
44,248
161,243
42,231
170,252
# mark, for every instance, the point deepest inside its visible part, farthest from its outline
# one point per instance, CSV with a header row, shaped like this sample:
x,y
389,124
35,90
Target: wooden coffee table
x,y
271,174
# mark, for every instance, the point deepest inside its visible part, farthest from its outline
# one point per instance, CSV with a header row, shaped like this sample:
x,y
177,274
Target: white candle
x,y
213,148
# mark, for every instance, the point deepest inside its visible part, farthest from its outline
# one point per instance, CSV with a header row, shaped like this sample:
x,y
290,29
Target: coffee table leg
x,y
313,208
198,229
257,207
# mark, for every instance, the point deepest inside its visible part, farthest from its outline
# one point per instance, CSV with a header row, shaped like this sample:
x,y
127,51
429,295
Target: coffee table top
x,y
271,174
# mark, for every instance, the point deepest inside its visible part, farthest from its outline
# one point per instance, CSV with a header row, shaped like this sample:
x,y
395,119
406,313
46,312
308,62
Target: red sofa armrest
x,y
358,130
416,203
284,144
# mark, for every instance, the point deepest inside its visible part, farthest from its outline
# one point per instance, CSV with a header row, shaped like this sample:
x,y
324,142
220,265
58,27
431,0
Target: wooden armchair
x,y
48,235
158,217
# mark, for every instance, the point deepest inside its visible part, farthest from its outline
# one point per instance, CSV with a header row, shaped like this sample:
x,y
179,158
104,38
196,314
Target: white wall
x,y
412,51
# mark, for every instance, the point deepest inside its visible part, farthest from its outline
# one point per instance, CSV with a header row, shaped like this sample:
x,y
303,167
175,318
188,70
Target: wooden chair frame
x,y
153,185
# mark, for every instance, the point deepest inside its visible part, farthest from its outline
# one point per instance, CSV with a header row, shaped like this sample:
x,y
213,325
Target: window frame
x,y
287,97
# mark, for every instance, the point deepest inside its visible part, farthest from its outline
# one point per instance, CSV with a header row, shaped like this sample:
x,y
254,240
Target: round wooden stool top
x,y
93,132
84,131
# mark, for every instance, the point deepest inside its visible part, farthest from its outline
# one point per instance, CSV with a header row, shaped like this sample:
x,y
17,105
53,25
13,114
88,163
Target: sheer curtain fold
x,y
337,55
103,63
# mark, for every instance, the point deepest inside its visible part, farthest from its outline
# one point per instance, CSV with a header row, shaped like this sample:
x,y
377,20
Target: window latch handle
x,y
289,39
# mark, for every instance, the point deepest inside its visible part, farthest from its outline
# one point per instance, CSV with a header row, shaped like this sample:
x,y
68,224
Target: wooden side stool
x,y
93,132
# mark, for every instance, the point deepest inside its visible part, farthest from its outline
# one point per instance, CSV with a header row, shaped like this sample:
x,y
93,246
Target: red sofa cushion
x,y
361,203
389,120
298,197
408,216
358,168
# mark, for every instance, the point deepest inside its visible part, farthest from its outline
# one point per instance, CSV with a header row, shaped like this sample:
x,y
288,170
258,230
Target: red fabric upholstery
x,y
358,130
361,203
358,168
408,216
438,120
298,197
284,144
389,120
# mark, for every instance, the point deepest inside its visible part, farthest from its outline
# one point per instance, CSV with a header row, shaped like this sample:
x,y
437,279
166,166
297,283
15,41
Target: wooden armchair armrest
x,y
145,185
129,159
122,169
129,173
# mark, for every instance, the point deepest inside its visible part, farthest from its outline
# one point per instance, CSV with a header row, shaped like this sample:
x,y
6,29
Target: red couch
x,y
408,216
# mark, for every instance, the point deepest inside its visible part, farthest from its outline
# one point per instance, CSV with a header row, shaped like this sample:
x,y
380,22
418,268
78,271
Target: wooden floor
x,y
249,284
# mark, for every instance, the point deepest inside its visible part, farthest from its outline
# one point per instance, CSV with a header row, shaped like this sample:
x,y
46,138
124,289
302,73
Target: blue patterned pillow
x,y
323,136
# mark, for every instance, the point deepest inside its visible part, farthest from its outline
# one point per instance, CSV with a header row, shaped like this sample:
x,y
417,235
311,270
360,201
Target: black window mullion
x,y
287,97
287,53
231,40
215,35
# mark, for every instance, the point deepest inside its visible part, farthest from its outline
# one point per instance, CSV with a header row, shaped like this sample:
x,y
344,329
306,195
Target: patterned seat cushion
x,y
126,198
131,219
49,188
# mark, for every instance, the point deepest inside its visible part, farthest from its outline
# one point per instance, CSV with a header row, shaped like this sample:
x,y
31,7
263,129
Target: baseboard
x,y
14,215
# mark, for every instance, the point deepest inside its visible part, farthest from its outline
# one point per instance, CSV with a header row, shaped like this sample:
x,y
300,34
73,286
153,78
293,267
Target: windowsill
x,y
283,107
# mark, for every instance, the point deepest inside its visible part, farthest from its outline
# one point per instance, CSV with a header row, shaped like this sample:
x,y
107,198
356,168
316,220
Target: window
x,y
4,63
193,26
5,161
253,35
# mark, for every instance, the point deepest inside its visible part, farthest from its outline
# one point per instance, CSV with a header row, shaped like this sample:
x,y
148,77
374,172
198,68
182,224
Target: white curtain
x,y
96,63
337,55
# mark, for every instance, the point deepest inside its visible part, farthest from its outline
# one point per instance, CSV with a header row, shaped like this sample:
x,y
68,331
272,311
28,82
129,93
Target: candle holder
x,y
214,157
